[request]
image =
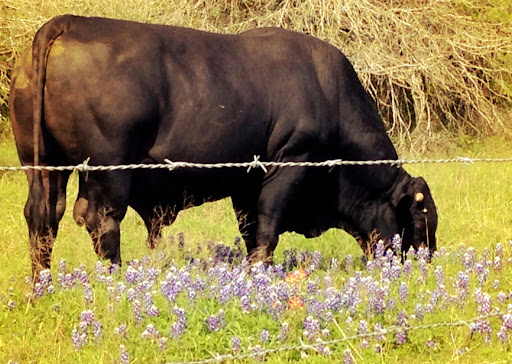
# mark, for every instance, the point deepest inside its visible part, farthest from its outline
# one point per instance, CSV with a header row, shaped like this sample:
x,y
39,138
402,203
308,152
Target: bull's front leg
x,y
279,191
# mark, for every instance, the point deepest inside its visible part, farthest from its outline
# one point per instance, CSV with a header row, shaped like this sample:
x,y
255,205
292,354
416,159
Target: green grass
x,y
474,205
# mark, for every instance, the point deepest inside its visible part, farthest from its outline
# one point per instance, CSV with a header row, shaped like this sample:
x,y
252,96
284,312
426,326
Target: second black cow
x,y
122,92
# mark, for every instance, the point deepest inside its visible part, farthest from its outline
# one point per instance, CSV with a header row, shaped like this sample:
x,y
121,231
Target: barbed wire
x,y
256,163
315,346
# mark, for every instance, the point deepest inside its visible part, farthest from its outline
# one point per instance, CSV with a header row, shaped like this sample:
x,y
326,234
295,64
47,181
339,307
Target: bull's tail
x,y
43,41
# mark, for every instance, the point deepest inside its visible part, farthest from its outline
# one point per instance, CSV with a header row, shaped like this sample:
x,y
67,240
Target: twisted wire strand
x,y
256,163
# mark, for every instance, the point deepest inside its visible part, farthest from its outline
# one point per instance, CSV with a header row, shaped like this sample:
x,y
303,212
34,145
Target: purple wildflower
x,y
78,338
62,266
121,330
137,310
498,266
403,292
11,305
150,332
322,348
124,357
162,343
431,344
283,333
88,295
215,323
235,344
45,278
257,351
347,357
264,336
396,244
38,290
401,336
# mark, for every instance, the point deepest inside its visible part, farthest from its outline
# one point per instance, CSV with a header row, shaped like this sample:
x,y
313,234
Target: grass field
x,y
475,215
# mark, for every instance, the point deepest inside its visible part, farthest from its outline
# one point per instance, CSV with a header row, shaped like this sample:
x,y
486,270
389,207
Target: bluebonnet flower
x,y
439,272
502,297
264,336
62,266
401,336
379,250
484,307
150,332
245,304
498,266
499,250
180,324
137,310
407,267
78,338
377,298
423,253
312,327
162,343
38,290
322,348
124,357
362,328
284,331
80,335
403,292
431,344
215,323
235,344
121,330
316,260
347,357
396,244
257,351
97,330
45,278
411,253
88,294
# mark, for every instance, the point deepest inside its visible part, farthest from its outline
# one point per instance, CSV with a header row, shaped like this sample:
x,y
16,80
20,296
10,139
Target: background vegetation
x,y
436,67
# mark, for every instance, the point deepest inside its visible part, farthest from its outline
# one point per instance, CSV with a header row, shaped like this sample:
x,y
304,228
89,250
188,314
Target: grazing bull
x,y
121,92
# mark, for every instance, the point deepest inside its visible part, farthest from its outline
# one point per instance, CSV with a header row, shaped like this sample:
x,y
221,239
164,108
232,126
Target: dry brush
x,y
432,65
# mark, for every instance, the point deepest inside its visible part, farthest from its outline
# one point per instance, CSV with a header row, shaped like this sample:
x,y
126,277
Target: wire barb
x,y
256,163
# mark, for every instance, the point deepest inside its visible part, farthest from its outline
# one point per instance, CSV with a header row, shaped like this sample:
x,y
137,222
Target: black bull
x,y
121,92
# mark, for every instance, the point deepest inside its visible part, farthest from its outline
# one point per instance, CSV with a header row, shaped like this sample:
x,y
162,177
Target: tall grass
x,y
432,66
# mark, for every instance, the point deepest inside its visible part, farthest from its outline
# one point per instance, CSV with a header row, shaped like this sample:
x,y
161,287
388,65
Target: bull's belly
x,y
185,188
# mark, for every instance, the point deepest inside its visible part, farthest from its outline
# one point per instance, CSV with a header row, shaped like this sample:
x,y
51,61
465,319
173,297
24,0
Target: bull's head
x,y
408,211
416,214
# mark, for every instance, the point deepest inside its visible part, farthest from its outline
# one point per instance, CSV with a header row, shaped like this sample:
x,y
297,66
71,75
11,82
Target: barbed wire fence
x,y
255,163
316,346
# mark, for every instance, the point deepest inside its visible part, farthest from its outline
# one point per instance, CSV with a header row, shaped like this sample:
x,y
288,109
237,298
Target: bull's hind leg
x,y
107,202
43,211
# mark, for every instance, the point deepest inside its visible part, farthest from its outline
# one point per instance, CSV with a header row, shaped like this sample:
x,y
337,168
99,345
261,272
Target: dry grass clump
x,y
432,65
